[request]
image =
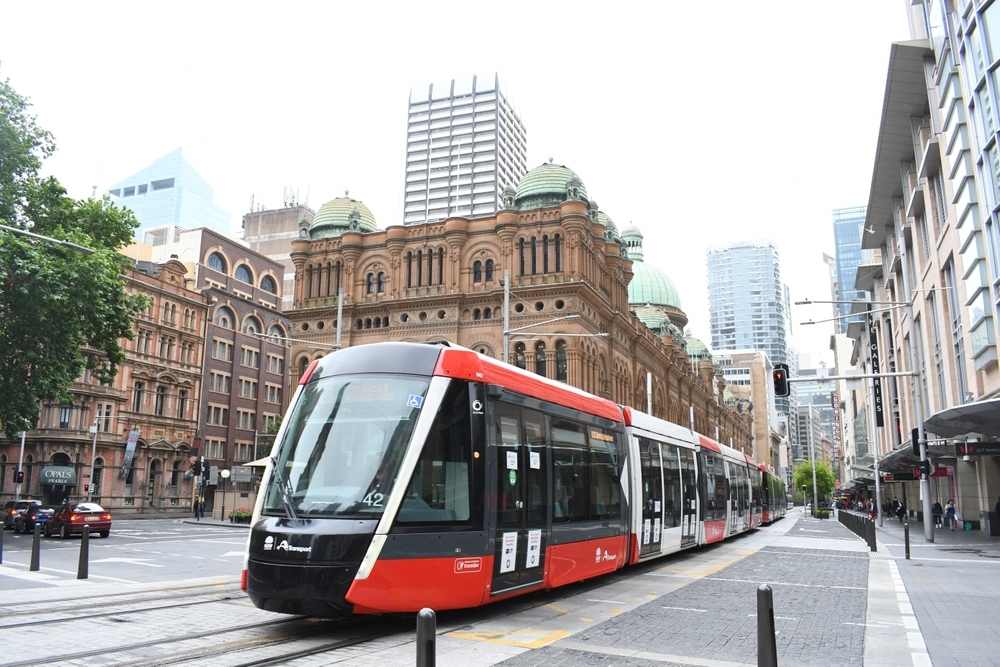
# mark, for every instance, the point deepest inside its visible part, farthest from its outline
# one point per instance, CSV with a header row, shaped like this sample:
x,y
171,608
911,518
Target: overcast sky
x,y
701,123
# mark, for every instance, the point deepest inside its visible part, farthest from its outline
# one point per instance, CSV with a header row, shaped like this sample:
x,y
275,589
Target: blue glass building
x,y
167,195
848,224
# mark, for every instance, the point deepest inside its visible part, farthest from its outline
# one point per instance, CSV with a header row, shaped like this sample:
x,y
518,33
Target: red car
x,y
70,519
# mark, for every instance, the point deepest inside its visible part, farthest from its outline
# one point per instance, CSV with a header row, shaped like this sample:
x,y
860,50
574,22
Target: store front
x,y
56,483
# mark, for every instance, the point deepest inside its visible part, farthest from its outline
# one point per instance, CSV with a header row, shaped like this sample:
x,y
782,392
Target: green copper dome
x,y
340,215
649,285
610,229
548,185
697,350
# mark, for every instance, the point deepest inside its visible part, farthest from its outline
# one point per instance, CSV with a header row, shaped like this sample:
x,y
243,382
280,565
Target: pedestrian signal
x,y
780,377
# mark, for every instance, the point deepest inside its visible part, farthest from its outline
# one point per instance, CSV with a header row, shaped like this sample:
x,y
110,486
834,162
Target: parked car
x,y
12,509
35,515
70,519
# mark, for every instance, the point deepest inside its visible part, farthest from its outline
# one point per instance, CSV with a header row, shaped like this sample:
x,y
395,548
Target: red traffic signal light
x,y
19,477
780,377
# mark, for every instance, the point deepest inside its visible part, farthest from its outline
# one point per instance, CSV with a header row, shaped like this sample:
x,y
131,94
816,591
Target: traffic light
x,y
19,477
197,468
780,377
915,441
925,468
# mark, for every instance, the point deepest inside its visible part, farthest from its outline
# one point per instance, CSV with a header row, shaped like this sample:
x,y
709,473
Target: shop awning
x,y
58,475
979,418
259,463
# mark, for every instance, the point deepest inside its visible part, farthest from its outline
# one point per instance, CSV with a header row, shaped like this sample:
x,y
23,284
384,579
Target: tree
x,y
803,476
61,310
272,428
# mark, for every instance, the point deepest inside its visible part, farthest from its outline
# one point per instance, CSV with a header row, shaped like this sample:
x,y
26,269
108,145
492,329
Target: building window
x,y
219,382
246,419
243,274
248,388
380,282
545,254
267,284
222,350
182,397
430,267
558,249
137,390
477,272
440,266
251,326
275,364
218,415
277,334
540,359
420,268
250,358
561,364
273,394
489,270
519,357
520,247
409,270
958,343
64,412
161,397
224,318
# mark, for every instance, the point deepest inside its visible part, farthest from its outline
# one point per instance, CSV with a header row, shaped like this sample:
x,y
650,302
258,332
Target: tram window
x,y
671,487
346,440
605,496
439,489
571,472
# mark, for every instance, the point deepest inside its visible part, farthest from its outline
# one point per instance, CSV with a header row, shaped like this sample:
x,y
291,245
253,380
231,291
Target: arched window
x,y
440,266
545,254
161,398
540,359
561,365
173,314
380,282
368,323
182,397
534,256
188,324
519,359
385,321
304,364
370,283
137,390
477,271
521,254
276,333
243,274
251,325
224,318
377,323
216,262
175,477
477,314
420,268
430,267
309,281
409,269
360,324
487,314
267,284
558,244
489,270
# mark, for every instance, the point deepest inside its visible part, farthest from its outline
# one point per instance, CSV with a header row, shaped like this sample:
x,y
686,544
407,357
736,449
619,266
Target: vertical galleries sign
x,y
133,437
877,381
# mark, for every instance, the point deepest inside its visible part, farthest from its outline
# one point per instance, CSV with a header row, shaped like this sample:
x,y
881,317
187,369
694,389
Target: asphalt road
x,y
137,551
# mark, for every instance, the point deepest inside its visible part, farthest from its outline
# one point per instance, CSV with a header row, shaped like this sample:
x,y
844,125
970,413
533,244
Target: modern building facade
x,y
464,144
270,233
570,316
169,196
848,224
931,239
747,302
747,375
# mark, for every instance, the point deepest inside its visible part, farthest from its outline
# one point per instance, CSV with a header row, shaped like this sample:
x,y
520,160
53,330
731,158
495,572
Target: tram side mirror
x,y
494,390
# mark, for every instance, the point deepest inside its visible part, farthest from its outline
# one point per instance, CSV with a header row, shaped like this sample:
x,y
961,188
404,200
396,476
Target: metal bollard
x,y
36,544
767,651
906,539
84,564
426,637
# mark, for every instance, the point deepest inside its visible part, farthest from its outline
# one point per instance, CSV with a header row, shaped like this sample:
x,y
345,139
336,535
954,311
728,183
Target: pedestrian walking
x,y
949,514
199,508
896,505
901,512
938,512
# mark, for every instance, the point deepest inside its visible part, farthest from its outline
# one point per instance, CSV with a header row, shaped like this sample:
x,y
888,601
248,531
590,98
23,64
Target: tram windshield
x,y
345,441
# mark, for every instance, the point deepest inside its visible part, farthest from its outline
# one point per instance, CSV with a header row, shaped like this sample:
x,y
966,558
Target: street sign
x,y
888,478
977,449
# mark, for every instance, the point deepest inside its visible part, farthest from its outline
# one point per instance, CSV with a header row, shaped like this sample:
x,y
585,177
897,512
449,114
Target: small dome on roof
x,y
548,185
610,229
340,215
697,350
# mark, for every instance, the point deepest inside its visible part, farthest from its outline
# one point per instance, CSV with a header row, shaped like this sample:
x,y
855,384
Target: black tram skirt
x,y
310,590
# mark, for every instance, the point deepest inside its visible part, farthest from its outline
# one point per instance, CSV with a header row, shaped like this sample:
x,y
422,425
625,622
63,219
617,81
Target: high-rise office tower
x,y
847,226
746,301
464,144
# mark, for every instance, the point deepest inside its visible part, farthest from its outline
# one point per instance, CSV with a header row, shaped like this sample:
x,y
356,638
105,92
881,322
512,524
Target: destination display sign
x,y
977,449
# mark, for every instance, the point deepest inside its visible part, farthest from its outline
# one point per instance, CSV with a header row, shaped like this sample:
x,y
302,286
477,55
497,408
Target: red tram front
x,y
409,475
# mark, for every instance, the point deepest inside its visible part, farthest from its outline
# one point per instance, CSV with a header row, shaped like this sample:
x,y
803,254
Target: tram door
x,y
522,514
689,514
652,496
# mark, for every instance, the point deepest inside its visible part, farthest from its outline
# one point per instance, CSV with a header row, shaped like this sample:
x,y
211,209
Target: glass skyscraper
x,y
746,301
464,145
848,225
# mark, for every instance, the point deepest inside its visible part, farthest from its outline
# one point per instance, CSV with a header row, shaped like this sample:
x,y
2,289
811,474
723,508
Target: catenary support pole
x,y
767,650
426,637
906,539
84,564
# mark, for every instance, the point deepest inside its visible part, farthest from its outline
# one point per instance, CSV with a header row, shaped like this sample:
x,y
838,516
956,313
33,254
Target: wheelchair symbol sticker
x,y
414,401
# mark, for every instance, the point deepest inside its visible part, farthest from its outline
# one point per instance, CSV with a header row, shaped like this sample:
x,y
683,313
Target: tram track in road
x,y
126,602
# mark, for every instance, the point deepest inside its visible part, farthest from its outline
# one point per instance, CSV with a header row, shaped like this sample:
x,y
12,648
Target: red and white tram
x,y
411,475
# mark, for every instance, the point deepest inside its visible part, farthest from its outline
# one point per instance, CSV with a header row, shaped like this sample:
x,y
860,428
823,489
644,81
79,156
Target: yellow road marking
x,y
615,612
557,608
585,619
546,638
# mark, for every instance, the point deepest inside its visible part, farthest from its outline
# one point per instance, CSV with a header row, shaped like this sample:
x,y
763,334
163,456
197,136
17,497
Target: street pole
x,y
812,457
506,315
20,460
224,475
918,399
93,455
340,313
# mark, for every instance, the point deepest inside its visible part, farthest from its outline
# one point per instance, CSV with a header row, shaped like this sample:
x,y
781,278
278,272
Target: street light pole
x,y
224,474
812,457
506,315
20,462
